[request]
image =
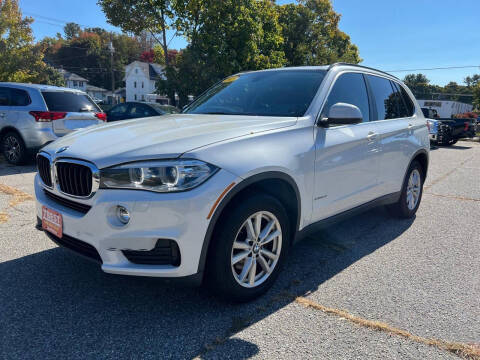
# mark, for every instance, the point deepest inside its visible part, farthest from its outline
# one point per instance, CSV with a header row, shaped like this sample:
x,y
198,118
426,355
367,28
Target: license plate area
x,y
52,221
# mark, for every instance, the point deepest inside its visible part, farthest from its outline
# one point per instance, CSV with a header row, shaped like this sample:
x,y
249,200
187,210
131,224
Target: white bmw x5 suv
x,y
220,192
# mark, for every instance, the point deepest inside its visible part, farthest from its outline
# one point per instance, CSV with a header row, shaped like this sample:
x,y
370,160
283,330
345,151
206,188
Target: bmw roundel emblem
x,y
62,149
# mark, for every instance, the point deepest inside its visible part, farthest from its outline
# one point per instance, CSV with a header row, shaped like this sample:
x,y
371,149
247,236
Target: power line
x,y
437,68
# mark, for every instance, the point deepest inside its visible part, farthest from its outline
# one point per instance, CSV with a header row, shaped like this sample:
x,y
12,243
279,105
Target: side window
x,y
19,98
4,96
139,110
119,109
409,106
385,98
349,88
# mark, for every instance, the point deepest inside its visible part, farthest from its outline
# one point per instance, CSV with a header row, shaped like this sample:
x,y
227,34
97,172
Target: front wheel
x,y
248,248
411,195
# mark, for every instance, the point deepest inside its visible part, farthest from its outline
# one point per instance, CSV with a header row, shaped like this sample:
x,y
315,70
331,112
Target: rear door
x,y
396,123
138,110
79,110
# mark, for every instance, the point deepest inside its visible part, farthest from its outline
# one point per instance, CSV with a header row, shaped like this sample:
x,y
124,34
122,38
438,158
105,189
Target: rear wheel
x,y
13,148
248,248
411,195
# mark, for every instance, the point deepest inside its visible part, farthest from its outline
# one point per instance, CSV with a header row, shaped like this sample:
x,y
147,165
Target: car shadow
x,y
452,147
55,304
9,169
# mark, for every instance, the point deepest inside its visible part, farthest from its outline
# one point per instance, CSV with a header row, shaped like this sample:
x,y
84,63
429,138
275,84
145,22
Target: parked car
x,y
220,192
134,110
34,115
446,132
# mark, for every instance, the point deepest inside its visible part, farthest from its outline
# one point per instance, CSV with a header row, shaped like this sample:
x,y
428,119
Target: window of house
x,y
385,98
136,71
80,83
143,97
135,96
75,83
349,88
142,84
134,84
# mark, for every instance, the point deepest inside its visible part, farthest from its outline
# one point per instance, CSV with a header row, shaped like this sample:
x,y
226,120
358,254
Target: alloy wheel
x,y
413,189
12,148
256,249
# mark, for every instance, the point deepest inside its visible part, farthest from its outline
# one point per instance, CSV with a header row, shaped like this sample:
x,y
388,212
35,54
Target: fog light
x,y
123,215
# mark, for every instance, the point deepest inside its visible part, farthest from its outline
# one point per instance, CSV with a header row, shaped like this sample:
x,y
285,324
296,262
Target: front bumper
x,y
181,217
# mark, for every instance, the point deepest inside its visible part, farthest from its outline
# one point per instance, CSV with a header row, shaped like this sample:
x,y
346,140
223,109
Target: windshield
x,y
266,93
68,101
165,109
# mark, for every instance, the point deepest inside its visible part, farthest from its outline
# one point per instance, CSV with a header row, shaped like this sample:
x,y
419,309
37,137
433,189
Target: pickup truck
x,y
446,131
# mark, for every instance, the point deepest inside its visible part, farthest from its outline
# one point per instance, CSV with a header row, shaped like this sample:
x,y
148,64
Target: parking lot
x,y
369,287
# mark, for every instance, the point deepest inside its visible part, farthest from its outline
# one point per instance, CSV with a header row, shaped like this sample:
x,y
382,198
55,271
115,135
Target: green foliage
x,y
476,97
311,34
71,30
20,59
88,55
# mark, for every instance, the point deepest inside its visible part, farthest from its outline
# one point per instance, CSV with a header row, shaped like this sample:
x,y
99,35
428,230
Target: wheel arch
x,y
422,157
7,129
274,183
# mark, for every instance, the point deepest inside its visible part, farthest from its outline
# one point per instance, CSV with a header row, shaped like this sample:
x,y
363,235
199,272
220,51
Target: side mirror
x,y
342,114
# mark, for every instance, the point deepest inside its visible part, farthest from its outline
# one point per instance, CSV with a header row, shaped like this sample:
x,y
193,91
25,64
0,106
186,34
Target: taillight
x,y
47,116
102,116
428,125
466,123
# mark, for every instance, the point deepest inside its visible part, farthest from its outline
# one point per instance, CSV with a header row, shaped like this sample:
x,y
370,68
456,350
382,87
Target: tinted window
x,y
385,98
140,110
119,109
19,97
350,89
68,101
4,96
266,93
410,107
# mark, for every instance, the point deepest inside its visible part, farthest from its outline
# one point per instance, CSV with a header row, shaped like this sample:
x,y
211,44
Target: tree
x,y
136,16
476,97
419,85
311,34
71,30
20,59
88,55
472,81
225,37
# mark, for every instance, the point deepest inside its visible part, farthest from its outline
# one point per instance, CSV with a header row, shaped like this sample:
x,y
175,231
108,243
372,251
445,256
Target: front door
x,y
347,156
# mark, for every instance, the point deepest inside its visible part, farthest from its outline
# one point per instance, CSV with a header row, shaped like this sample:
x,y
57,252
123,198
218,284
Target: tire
x,y
453,142
13,148
225,278
405,208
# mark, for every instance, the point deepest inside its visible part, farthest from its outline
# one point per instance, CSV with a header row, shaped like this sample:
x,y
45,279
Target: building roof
x,y
152,70
71,76
96,88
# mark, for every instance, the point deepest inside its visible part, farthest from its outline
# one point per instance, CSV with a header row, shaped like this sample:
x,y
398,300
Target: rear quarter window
x,y
69,102
4,96
19,97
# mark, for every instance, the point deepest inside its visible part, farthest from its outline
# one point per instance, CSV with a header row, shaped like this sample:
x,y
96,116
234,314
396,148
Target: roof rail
x,y
361,66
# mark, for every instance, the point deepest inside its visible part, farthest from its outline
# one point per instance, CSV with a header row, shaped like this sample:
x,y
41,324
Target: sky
x,y
391,35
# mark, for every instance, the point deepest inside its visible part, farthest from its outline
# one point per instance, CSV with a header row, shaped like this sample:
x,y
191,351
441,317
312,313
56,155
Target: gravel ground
x,y
420,275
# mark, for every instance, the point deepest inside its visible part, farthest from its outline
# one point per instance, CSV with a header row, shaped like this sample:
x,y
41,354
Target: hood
x,y
159,137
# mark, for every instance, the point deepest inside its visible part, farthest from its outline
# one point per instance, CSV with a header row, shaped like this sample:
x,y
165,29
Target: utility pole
x,y
111,48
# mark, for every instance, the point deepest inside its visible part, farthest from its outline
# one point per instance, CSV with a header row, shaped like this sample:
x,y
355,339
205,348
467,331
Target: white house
x,y
140,80
74,81
446,109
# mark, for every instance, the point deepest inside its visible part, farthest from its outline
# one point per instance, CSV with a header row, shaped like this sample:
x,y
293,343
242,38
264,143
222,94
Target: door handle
x,y
410,126
371,136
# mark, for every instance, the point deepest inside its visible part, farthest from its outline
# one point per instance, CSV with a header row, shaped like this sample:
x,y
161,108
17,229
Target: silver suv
x,y
32,116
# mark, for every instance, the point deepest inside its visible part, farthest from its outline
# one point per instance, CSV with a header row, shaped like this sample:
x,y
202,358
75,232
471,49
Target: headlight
x,y
158,176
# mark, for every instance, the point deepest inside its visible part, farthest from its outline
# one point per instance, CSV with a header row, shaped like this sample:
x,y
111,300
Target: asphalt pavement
x,y
377,287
